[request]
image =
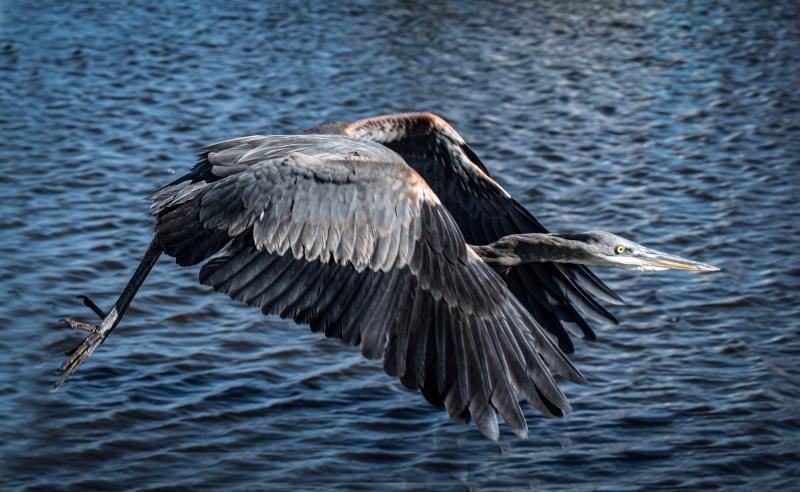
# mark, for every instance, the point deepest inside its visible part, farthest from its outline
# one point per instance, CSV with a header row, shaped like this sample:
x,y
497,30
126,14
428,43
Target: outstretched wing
x,y
559,296
341,234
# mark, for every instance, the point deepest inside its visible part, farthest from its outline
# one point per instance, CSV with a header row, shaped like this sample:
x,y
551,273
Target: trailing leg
x,y
98,333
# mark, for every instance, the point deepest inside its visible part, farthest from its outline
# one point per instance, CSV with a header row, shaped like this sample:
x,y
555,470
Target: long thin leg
x,y
110,320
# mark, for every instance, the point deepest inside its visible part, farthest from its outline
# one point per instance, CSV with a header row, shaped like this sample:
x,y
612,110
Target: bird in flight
x,y
389,233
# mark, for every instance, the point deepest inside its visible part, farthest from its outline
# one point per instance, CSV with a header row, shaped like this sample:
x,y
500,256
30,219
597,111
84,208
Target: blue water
x,y
674,124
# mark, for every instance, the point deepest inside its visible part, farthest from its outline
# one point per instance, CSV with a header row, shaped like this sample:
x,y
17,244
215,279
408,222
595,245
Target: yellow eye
x,y
619,249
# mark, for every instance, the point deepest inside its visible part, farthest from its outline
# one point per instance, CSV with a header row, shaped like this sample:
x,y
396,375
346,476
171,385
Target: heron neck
x,y
517,249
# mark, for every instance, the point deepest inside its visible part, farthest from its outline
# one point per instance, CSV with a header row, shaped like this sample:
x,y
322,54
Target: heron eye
x,y
619,249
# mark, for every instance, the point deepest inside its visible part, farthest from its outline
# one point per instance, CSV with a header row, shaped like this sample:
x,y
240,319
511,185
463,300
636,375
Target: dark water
x,y
675,125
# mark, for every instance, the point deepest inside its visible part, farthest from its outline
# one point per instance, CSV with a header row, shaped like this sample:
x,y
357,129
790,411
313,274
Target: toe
x,y
79,325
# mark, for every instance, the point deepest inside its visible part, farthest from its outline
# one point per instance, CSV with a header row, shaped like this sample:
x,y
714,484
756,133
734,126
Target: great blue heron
x,y
364,230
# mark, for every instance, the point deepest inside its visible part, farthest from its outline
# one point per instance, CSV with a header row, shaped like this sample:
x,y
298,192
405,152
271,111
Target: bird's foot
x,y
96,336
98,333
82,351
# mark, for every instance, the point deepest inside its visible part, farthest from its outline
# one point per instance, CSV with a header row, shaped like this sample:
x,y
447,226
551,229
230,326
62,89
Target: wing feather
x,y
341,234
559,296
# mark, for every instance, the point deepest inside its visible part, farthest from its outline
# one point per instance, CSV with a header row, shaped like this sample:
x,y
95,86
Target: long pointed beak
x,y
660,259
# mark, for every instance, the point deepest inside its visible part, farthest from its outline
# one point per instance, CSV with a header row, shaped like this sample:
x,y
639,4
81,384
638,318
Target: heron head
x,y
606,249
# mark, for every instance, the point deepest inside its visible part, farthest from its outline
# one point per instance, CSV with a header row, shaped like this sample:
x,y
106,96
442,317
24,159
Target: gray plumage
x,y
360,230
560,297
341,234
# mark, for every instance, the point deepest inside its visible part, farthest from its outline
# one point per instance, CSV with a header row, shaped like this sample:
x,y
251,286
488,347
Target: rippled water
x,y
677,125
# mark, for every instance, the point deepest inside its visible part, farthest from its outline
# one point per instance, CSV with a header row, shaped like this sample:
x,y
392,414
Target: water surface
x,y
674,124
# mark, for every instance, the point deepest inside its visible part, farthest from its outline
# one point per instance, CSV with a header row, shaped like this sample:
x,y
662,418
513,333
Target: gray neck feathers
x,y
510,251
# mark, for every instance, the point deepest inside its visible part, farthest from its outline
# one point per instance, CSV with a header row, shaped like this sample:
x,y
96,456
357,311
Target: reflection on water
x,y
675,125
